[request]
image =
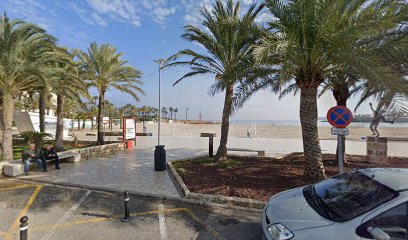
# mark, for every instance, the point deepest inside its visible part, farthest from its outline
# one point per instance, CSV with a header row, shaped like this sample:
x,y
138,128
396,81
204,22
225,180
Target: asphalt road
x,y
57,212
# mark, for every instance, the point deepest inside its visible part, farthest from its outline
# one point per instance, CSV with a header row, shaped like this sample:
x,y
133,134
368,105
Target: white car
x,y
363,204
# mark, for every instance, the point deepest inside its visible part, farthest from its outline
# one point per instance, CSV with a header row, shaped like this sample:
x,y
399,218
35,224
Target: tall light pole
x,y
159,152
160,62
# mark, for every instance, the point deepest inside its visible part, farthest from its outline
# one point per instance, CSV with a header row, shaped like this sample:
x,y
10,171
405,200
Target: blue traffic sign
x,y
339,116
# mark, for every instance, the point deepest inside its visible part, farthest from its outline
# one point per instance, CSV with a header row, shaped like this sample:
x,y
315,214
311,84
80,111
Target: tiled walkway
x,y
126,171
134,170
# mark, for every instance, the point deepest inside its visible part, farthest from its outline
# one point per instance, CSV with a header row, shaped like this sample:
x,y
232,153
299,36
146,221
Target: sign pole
x,y
340,153
339,117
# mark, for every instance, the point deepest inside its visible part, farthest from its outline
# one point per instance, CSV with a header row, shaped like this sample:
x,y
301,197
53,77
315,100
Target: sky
x,y
146,30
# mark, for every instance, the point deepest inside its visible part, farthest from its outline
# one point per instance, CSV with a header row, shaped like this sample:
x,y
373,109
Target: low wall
x,y
98,151
87,153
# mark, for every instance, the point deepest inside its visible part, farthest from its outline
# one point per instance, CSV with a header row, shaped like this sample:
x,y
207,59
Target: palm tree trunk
x,y
92,124
79,123
41,106
83,123
101,106
7,123
1,117
314,170
59,133
222,149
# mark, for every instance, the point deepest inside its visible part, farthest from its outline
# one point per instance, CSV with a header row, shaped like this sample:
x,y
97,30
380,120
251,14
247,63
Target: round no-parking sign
x,y
339,116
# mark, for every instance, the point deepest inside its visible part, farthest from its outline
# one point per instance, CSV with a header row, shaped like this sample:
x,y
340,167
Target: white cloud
x,y
160,14
29,10
193,9
102,12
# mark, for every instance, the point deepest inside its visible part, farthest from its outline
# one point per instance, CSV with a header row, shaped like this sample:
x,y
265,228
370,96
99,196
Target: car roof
x,y
394,178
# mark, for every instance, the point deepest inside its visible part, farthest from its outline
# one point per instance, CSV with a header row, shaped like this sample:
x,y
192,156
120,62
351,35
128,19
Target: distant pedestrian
x,y
29,155
249,133
49,153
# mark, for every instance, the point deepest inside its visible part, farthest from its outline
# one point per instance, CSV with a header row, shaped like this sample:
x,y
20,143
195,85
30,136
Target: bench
x,y
15,168
261,153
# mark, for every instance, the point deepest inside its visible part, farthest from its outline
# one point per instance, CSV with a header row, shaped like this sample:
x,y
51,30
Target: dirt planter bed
x,y
250,181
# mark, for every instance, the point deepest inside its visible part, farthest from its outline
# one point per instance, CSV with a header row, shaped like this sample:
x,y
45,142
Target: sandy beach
x,y
265,131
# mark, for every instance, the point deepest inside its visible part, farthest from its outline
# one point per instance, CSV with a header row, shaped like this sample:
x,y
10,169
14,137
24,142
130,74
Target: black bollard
x,y
23,228
127,217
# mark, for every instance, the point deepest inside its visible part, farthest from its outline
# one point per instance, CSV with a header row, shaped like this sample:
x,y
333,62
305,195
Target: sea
x,y
320,123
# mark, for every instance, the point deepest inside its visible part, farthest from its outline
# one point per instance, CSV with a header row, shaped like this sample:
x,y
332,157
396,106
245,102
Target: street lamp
x,y
159,152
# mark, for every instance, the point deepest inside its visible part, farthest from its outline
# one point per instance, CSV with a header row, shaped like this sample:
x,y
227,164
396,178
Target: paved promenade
x,y
133,170
126,171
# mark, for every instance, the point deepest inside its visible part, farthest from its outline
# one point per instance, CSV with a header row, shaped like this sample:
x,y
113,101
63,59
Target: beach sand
x,y
265,131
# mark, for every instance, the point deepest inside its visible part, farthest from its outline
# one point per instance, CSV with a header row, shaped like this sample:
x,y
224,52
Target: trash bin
x,y
129,144
160,158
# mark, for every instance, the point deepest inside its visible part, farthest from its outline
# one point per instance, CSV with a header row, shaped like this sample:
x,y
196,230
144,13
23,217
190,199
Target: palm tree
x,y
102,67
130,110
24,48
64,81
164,112
175,113
309,40
228,38
171,112
109,110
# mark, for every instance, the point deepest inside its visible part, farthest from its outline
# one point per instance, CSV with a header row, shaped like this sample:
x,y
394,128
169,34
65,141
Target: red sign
x,y
339,116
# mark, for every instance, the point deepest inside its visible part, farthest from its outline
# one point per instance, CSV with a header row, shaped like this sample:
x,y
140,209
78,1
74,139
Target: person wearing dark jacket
x,y
48,153
29,154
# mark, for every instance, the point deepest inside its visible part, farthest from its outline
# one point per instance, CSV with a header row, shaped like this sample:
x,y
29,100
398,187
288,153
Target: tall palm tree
x,y
309,40
175,113
102,67
171,112
64,81
24,48
164,112
227,37
109,110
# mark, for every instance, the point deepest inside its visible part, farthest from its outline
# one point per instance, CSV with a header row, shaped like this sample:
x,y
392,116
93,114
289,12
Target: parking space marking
x,y
61,224
208,228
162,223
6,235
101,219
26,208
67,214
16,187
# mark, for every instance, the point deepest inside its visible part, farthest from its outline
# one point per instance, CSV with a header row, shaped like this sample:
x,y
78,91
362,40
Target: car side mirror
x,y
378,234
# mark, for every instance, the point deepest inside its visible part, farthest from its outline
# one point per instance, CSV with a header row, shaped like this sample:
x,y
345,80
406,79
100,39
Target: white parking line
x,y
67,214
162,223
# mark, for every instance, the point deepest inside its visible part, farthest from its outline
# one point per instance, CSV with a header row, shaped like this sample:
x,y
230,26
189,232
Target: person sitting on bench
x,y
29,155
49,153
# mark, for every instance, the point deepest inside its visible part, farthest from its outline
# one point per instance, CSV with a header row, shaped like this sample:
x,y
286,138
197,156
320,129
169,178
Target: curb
x,y
210,198
141,194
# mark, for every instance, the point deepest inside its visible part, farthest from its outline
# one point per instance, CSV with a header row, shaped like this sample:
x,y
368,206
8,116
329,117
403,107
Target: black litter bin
x,y
159,158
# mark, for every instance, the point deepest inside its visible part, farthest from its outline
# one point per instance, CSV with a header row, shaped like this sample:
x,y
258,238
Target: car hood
x,y
291,209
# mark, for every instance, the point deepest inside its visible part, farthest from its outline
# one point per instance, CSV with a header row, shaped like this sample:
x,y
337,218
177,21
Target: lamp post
x,y
159,152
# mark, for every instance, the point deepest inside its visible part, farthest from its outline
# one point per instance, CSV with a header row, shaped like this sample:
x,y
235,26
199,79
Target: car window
x,y
348,195
393,222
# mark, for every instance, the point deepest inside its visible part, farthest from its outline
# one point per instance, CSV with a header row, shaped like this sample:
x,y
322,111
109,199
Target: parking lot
x,y
57,212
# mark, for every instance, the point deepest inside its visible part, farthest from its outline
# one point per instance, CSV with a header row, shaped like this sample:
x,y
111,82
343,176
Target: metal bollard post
x,y
23,228
210,147
127,217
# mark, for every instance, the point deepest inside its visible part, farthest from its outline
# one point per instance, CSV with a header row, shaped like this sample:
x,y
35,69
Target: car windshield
x,y
346,196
